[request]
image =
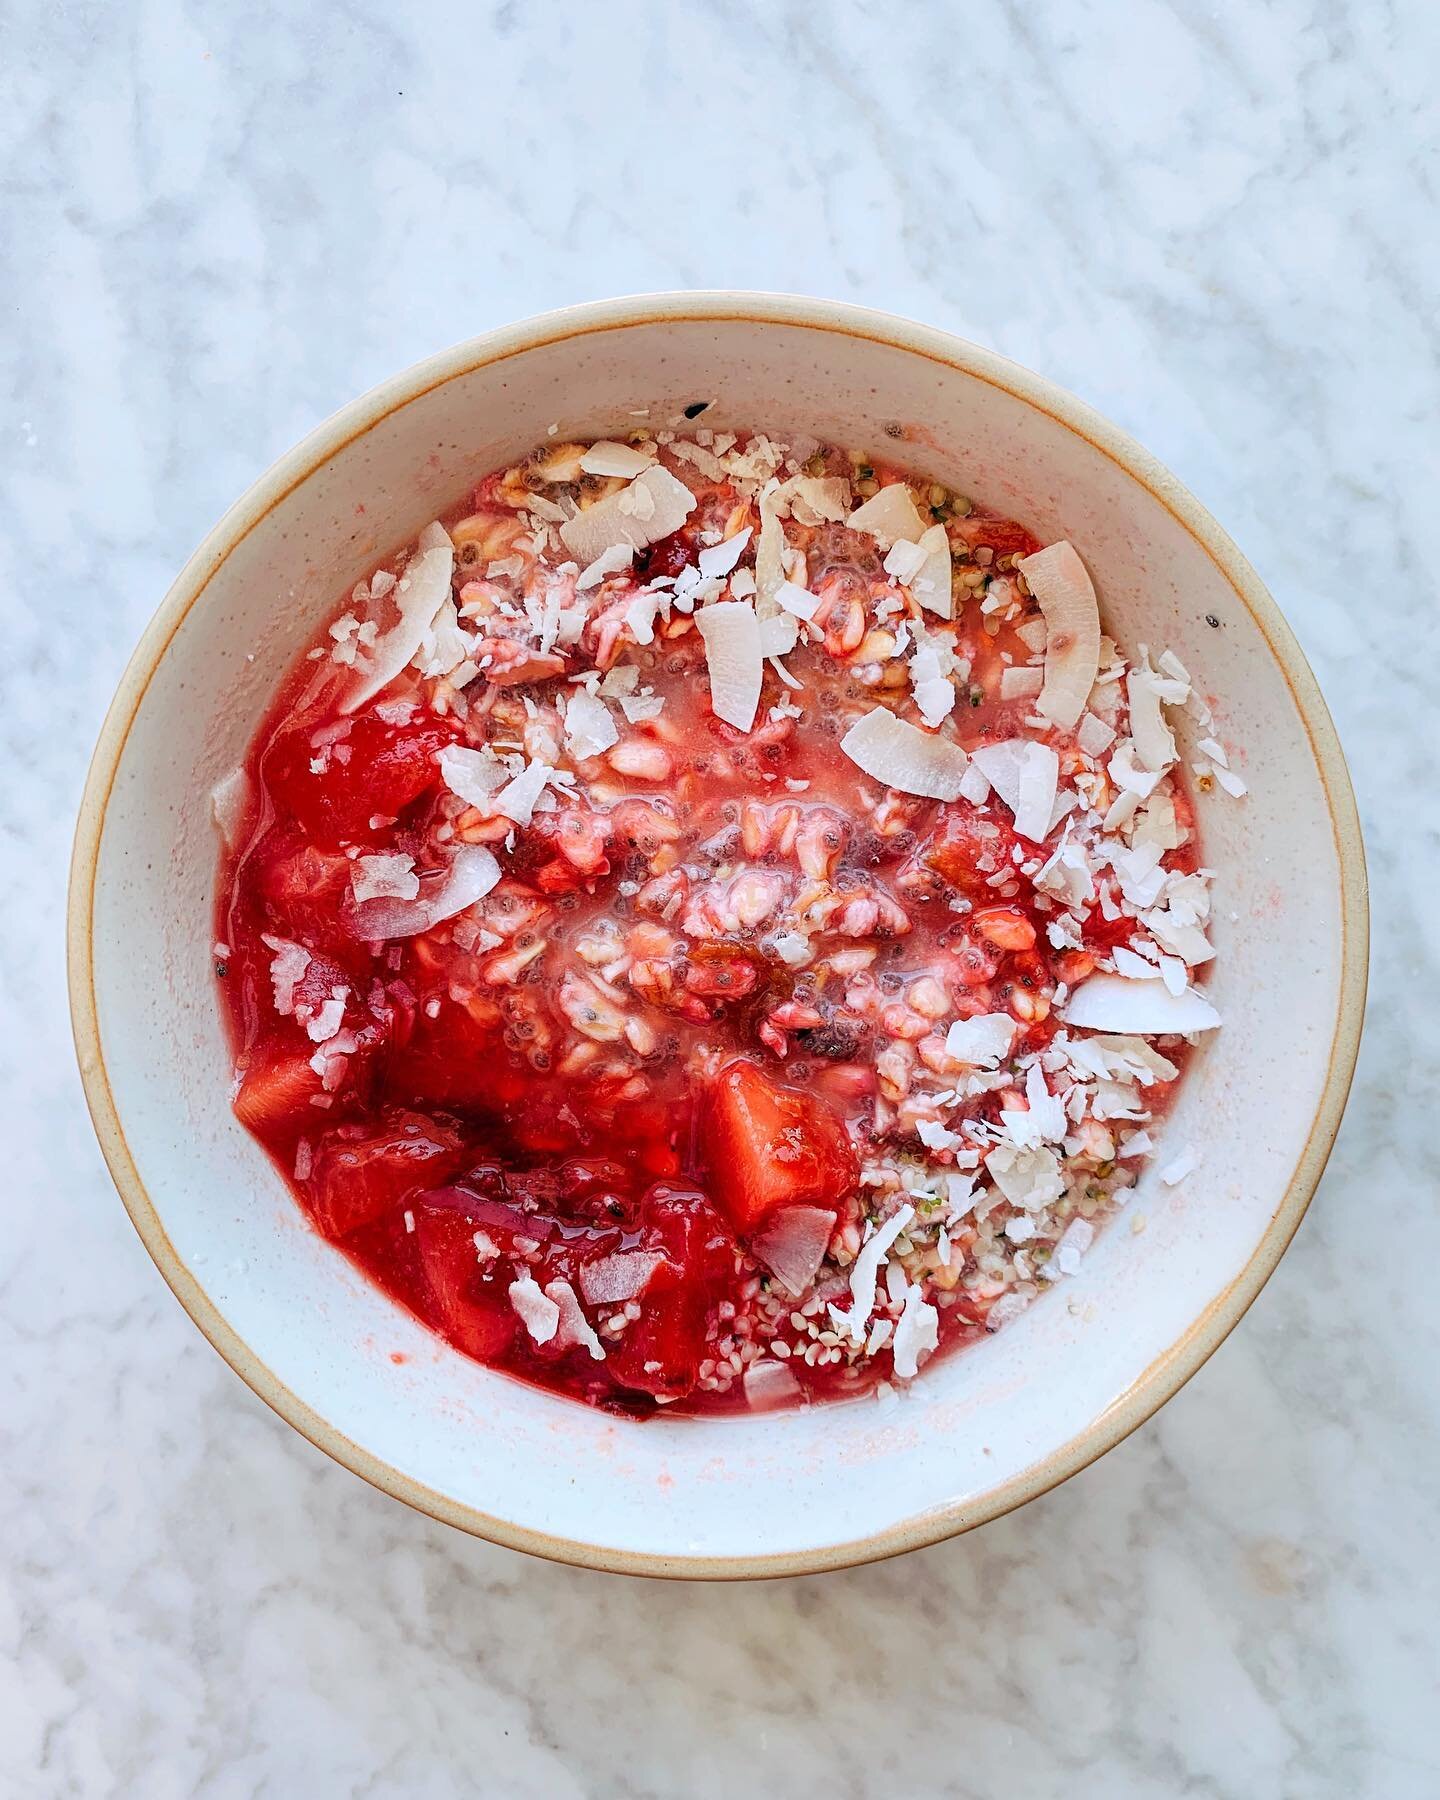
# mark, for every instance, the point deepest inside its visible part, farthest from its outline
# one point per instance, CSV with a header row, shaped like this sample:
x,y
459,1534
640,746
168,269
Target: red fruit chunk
x,y
455,1061
375,769
660,1352
669,555
473,1313
302,888
276,1091
355,1179
767,1146
963,837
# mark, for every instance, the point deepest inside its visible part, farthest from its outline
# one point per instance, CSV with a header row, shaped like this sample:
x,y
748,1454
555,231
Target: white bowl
x,y
777,1493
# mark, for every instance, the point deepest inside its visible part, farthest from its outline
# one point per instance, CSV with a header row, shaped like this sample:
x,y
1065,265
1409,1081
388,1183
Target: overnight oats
x,y
716,922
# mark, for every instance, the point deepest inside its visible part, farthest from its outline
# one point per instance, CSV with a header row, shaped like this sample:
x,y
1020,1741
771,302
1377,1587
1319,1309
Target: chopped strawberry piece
x,y
660,1352
354,1178
474,1313
302,887
276,1092
374,770
967,847
768,1146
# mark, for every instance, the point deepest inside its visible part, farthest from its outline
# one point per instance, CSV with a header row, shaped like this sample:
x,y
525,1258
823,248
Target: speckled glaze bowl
x,y
775,1493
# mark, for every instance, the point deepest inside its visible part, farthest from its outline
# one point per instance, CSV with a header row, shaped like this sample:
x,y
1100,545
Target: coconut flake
x,y
798,600
590,727
932,585
654,505
230,806
287,971
1154,740
1028,1178
904,561
1066,596
611,1280
516,800
717,560
889,516
1006,764
770,550
1111,1003
984,1042
611,561
864,1273
573,1330
386,876
904,757
473,871
1020,682
1094,736
1039,779
1175,1171
474,776
768,1385
419,596
608,458
736,659
916,1331
537,1312
792,1244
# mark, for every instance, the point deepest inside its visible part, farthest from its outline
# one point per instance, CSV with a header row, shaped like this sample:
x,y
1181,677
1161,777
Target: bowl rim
x,y
1169,1371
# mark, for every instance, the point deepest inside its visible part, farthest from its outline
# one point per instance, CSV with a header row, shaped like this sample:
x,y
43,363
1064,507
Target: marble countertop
x,y
1218,223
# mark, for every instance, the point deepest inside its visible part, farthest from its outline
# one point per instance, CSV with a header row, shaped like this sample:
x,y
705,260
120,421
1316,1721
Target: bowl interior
x,y
979,1430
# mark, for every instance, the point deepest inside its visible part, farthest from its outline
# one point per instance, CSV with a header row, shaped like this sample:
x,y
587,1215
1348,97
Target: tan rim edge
x,y
1167,1373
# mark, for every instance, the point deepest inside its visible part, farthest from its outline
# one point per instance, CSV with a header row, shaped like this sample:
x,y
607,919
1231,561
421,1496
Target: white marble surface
x,y
1218,223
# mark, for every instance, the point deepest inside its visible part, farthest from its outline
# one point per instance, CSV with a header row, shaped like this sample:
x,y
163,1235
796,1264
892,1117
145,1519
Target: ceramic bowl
x,y
775,1493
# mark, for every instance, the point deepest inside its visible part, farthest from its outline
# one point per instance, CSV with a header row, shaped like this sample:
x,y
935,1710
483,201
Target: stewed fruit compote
x,y
714,920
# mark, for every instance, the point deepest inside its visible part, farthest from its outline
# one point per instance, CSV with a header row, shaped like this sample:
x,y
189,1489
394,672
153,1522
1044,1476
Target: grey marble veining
x,y
1219,224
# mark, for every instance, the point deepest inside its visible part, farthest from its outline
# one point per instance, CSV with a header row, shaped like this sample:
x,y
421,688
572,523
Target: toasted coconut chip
x,y
230,800
932,586
889,516
606,458
419,596
655,504
735,654
472,873
792,1244
1145,1008
1062,586
1154,740
904,757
